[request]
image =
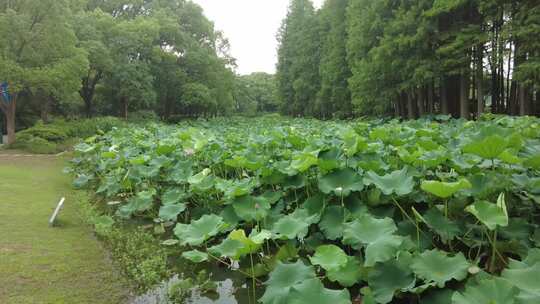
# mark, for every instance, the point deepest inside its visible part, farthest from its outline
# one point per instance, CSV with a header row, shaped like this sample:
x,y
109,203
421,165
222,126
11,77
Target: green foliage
x,y
285,198
140,257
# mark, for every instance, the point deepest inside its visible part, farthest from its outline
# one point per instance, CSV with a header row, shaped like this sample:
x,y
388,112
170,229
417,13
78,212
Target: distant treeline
x,y
112,57
410,58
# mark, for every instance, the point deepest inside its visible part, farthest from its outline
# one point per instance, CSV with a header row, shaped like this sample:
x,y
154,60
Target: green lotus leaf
x,y
304,160
533,161
282,279
332,222
489,147
525,276
509,156
250,244
141,202
491,215
387,278
341,182
250,208
171,212
291,227
165,149
199,177
398,182
439,296
200,230
173,196
294,182
227,248
82,181
377,235
487,291
353,143
195,256
349,274
236,188
383,249
444,189
367,229
181,172
437,266
329,257
444,227
313,292
315,204
329,160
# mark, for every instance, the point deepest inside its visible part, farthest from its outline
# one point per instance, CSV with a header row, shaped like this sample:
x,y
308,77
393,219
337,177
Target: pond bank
x,y
38,264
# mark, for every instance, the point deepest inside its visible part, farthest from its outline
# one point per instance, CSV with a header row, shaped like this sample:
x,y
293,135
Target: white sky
x,y
251,27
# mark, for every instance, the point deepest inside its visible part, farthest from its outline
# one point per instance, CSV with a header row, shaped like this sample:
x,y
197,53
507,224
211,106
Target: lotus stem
x,y
253,278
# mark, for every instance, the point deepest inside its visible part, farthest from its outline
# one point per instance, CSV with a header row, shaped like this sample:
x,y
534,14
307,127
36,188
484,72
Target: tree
x,y
334,96
255,93
298,59
38,52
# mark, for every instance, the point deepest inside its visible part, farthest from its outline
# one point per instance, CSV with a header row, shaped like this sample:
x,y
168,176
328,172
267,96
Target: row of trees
x,y
113,56
410,58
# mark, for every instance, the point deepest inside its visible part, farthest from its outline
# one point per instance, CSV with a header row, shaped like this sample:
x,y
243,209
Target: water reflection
x,y
230,290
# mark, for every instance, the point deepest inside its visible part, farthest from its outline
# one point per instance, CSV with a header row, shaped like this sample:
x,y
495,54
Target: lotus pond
x,y
427,211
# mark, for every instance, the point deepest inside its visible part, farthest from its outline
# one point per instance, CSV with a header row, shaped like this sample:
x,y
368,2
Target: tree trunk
x,y
9,110
464,96
421,102
480,81
430,98
87,92
45,108
403,105
410,106
444,98
522,103
125,105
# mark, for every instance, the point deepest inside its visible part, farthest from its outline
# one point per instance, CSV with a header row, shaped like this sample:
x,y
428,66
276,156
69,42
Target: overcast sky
x,y
251,27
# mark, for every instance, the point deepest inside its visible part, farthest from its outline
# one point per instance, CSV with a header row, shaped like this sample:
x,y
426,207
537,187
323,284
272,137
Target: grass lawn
x,y
39,264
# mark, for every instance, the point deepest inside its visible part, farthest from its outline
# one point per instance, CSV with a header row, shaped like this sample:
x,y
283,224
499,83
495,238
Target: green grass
x,y
38,264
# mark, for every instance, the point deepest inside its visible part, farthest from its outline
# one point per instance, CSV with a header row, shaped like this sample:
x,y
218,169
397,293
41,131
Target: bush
x,y
50,133
83,128
34,144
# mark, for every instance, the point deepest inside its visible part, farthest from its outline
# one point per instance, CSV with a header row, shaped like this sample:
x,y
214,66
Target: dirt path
x,y
39,264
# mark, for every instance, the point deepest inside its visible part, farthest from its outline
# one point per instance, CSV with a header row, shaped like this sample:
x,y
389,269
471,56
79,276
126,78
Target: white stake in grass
x,y
56,211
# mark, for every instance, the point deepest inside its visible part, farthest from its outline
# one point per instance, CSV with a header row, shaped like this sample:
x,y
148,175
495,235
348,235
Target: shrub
x,y
50,133
34,144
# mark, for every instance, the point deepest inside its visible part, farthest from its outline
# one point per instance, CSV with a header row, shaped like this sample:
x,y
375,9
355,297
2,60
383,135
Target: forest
x,y
410,58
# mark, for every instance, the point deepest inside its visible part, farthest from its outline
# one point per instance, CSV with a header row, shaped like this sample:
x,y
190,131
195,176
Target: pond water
x,y
231,289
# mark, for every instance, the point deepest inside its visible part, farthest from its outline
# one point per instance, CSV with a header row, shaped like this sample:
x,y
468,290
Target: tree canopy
x,y
410,58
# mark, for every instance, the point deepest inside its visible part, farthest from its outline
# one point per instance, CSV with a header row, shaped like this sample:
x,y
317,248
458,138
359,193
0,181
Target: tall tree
x,y
334,97
298,59
38,52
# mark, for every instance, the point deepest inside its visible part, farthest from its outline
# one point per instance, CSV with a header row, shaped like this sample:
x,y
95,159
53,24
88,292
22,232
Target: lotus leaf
x,y
313,292
341,182
282,279
487,291
491,215
437,266
398,182
195,256
329,257
200,230
444,189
